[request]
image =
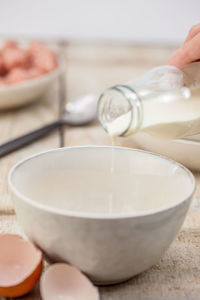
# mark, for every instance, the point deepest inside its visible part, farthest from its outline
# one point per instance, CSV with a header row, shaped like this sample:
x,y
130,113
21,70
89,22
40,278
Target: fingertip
x,y
178,59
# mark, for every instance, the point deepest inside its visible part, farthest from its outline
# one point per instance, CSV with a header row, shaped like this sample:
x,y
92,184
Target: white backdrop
x,y
160,21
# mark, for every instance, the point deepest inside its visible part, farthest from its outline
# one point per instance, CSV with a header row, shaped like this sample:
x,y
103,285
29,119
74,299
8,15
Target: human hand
x,y
190,50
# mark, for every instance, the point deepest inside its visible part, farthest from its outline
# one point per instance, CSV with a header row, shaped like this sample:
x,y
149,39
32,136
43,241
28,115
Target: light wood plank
x,y
92,68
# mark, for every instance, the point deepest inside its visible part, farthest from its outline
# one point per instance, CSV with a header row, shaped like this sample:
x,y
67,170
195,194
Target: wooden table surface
x,y
92,68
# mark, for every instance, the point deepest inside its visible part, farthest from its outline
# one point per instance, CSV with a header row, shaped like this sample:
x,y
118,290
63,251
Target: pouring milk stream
x,y
165,102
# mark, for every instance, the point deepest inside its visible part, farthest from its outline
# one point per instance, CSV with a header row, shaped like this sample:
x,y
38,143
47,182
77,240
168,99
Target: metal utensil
x,y
79,112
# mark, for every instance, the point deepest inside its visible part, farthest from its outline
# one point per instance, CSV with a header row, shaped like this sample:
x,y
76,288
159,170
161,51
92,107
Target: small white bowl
x,y
109,248
185,151
19,94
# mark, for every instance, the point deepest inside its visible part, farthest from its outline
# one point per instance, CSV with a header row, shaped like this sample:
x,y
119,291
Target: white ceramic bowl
x,y
185,151
108,248
18,94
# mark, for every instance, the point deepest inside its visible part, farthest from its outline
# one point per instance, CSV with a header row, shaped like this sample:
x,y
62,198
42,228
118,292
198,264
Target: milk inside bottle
x,y
164,103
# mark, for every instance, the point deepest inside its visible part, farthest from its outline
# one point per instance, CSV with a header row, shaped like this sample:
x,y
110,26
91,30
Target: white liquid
x,y
170,120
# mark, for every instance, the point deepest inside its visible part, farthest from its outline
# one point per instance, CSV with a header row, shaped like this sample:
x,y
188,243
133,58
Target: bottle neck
x,y
120,110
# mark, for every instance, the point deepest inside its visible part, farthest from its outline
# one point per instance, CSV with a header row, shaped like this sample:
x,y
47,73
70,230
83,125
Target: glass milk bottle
x,y
165,102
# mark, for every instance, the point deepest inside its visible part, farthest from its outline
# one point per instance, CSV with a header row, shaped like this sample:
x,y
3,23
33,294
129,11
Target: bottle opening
x,y
118,111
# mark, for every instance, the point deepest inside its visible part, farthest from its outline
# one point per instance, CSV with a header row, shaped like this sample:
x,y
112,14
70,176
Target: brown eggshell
x,y
18,64
2,81
62,281
2,67
16,75
14,57
10,44
35,72
42,57
20,265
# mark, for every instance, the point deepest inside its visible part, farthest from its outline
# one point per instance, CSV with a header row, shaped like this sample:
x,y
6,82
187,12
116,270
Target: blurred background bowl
x,y
19,94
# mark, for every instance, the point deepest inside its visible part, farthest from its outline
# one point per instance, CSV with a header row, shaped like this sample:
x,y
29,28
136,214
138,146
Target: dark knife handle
x,y
28,138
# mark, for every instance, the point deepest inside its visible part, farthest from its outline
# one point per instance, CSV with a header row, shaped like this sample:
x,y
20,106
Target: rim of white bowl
x,y
86,215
